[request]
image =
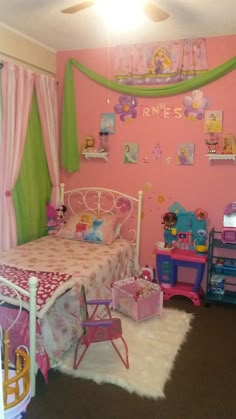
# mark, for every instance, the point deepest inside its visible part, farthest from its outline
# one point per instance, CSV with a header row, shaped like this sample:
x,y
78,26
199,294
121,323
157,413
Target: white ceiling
x,y
43,21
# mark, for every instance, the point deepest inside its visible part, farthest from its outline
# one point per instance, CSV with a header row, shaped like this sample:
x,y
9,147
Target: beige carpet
x,y
153,345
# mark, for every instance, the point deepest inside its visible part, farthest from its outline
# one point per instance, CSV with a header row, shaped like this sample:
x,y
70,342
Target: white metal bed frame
x,y
95,199
82,197
31,294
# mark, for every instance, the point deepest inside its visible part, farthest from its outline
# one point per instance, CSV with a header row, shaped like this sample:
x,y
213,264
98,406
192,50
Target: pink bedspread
x,y
94,265
48,283
19,335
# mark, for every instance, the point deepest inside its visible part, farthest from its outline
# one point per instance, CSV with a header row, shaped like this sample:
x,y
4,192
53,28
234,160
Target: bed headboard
x,y
103,200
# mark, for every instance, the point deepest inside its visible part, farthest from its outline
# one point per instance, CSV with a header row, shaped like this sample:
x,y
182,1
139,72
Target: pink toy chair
x,y
108,329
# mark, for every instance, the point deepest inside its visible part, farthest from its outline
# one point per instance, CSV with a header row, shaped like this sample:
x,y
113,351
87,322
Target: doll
x,y
89,144
229,144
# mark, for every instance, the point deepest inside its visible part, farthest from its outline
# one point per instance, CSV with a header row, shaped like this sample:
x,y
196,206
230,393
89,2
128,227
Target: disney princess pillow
x,y
87,226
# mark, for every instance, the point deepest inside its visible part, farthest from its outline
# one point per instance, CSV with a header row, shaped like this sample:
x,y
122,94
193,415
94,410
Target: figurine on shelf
x,y
89,144
212,142
104,138
229,144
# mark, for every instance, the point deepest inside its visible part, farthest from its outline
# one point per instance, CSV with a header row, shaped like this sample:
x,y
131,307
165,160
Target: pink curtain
x,y
17,90
46,90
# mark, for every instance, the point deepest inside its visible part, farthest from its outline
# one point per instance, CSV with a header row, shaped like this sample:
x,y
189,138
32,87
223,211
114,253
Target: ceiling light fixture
x,y
121,15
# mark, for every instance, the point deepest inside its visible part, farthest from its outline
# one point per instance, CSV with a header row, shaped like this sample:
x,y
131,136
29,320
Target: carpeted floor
x,y
202,384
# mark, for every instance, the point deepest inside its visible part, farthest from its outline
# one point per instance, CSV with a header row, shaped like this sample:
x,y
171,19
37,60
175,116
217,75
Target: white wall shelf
x,y
96,155
221,156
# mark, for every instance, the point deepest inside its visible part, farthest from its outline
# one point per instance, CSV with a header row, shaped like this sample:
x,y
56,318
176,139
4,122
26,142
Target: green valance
x,y
70,153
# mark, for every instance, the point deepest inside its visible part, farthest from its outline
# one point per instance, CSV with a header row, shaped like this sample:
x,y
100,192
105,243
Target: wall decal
x,y
195,105
108,122
126,108
157,152
146,159
130,153
147,187
161,199
185,154
168,159
162,110
213,122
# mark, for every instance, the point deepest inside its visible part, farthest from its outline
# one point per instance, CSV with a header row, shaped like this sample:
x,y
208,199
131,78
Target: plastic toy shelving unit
x,y
222,264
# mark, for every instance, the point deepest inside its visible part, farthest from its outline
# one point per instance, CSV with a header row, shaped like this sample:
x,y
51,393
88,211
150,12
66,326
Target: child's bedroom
x,y
118,209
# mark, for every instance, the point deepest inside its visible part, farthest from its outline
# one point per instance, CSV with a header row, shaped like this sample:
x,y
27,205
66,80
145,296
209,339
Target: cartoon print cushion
x,y
87,226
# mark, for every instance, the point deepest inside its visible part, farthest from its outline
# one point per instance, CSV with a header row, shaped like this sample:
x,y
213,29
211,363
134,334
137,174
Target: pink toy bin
x,y
138,298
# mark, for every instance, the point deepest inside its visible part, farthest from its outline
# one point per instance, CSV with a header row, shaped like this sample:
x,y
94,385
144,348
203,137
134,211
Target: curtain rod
x,y
27,63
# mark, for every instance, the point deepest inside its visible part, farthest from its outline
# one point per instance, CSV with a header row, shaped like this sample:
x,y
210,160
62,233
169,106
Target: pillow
x,y
87,226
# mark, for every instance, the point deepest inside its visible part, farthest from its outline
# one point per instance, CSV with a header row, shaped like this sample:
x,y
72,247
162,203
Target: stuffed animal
x,y
52,222
55,217
61,210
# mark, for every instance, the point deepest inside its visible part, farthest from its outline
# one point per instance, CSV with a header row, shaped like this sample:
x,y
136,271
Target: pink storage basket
x,y
137,298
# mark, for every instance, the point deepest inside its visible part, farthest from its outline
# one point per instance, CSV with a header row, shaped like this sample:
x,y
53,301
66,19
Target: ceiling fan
x,y
150,9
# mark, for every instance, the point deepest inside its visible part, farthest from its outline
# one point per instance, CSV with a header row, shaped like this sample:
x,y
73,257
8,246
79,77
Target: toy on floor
x,y
147,273
184,247
16,381
185,229
137,298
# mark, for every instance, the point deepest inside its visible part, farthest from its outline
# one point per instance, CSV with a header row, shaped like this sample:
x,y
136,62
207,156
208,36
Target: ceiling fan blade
x,y
80,6
154,13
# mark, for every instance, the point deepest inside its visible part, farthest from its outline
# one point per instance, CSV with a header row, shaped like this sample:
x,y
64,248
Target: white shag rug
x,y
153,345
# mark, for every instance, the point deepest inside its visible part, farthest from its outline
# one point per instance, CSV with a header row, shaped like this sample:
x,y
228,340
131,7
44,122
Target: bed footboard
x,y
31,294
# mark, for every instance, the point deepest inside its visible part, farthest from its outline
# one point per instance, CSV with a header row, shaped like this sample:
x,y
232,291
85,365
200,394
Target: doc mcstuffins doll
x,y
169,221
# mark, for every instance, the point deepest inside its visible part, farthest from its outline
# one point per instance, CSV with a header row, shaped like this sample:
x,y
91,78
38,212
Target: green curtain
x,y
70,154
69,145
33,187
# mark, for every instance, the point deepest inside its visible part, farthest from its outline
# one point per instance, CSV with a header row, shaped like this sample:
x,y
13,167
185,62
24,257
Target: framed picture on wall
x,y
108,123
213,122
185,154
130,153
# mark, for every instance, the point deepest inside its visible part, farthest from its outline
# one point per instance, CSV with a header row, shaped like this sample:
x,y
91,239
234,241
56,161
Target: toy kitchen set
x,y
184,246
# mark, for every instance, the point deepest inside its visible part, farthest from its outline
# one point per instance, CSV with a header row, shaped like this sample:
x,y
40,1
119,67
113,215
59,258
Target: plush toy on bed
x,y
52,222
55,218
61,211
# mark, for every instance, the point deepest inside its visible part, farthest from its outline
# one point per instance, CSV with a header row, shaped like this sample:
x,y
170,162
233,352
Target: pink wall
x,y
209,185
